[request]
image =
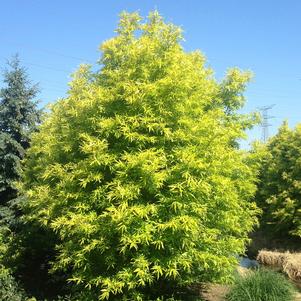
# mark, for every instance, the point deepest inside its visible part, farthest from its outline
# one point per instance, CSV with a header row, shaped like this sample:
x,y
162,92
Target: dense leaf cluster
x,y
279,189
137,169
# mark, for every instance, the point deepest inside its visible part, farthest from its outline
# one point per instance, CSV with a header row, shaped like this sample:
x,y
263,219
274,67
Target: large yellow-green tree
x,y
137,170
279,189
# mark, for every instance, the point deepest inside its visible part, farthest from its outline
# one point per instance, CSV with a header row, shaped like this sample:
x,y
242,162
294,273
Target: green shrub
x,y
137,171
9,289
262,285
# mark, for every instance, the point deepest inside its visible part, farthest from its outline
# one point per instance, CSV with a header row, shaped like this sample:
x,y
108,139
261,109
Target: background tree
x,y
279,189
18,119
137,170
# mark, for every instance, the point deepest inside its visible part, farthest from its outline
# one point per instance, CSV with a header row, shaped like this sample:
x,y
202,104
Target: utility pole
x,y
265,121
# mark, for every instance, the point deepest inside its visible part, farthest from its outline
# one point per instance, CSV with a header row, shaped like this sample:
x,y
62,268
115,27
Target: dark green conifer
x,y
19,116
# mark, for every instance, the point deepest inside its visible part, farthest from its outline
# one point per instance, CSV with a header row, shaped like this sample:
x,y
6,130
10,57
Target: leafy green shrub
x,y
9,289
262,285
137,171
4,239
279,189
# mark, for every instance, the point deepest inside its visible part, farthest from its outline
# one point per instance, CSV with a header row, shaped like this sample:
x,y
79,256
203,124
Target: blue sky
x,y
54,37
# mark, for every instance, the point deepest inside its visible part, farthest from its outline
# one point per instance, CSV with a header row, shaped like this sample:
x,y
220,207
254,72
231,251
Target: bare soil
x,y
215,292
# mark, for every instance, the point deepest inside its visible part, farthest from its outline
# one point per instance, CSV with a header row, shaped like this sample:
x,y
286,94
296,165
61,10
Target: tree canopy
x,y
137,170
18,119
279,189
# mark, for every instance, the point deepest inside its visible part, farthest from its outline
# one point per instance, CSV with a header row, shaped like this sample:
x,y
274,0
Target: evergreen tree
x,y
18,119
137,170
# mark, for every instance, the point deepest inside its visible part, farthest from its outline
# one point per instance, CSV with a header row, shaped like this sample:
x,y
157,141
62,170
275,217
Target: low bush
x,y
262,285
9,289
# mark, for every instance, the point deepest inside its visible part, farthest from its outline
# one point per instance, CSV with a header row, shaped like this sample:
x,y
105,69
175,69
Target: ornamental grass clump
x,y
262,285
137,171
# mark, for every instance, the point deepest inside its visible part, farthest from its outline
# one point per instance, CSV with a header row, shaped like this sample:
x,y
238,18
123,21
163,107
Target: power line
x,y
41,66
46,67
273,94
265,121
52,89
49,51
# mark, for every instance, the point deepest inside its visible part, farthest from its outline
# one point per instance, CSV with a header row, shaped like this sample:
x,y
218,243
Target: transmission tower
x,y
265,121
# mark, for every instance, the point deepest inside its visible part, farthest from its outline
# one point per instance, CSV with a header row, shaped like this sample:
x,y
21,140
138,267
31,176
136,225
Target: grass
x,y
262,285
